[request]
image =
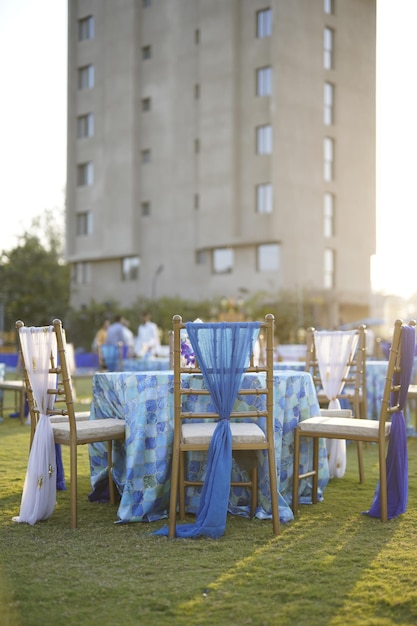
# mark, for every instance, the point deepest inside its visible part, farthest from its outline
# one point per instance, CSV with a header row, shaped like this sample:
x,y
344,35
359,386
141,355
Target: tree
x,y
35,282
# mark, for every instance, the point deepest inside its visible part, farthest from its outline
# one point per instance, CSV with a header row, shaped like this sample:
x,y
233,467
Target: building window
x,y
86,28
85,126
81,273
196,91
328,49
264,139
264,23
86,77
85,174
146,52
329,268
146,3
146,208
197,36
328,159
146,156
264,81
329,216
268,257
223,259
264,198
328,111
130,268
328,7
146,104
196,146
84,223
196,201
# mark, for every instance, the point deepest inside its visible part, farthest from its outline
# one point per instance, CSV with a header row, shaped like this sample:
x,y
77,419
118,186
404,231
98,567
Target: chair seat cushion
x,y
90,430
202,432
343,427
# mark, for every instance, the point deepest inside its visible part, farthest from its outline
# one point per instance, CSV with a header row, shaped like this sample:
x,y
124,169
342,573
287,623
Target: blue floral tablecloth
x,y
142,464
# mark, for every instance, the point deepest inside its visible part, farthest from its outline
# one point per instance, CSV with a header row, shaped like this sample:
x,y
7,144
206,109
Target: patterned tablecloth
x,y
142,465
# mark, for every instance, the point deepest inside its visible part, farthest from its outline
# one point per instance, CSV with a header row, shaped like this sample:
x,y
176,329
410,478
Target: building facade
x,y
222,148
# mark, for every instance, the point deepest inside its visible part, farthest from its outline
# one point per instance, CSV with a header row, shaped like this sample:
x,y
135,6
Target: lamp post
x,y
158,270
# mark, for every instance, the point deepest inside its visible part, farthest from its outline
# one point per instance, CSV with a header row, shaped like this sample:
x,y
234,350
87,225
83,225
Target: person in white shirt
x,y
147,342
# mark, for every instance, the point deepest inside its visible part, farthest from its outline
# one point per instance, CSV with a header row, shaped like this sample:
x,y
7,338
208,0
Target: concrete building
x,y
222,147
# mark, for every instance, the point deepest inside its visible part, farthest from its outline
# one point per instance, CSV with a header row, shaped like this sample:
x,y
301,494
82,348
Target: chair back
x,y
396,384
60,388
353,377
223,355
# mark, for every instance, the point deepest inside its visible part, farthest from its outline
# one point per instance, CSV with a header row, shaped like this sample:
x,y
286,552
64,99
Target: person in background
x,y
99,339
116,332
148,342
129,338
115,345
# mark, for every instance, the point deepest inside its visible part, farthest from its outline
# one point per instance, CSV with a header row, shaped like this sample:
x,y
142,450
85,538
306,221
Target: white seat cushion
x,y
109,428
202,432
344,427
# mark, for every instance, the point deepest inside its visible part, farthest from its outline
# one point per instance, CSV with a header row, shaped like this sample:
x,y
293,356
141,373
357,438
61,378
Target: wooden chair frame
x,y
344,428
69,431
180,448
354,389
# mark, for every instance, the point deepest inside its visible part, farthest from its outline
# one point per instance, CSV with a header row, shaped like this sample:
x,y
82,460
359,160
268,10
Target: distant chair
x,y
50,393
334,424
337,363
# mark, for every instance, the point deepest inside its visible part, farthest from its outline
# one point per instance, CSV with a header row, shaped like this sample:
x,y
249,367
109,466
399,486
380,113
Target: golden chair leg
x,y
174,494
360,462
383,482
315,486
73,479
295,480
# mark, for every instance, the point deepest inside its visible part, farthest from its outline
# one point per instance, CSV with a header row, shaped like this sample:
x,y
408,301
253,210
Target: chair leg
x,y
360,462
295,476
112,487
315,486
181,486
383,482
73,479
174,492
274,489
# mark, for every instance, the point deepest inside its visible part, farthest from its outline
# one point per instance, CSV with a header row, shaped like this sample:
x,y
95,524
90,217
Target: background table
x,y
145,365
142,465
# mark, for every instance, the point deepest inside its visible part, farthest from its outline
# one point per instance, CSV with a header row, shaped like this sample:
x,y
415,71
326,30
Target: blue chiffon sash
x,y
397,453
223,352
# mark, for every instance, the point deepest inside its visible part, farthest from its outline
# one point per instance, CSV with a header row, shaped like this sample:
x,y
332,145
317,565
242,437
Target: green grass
x,y
331,566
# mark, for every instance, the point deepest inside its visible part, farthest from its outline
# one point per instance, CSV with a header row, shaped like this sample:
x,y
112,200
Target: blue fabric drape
x,y
222,351
397,453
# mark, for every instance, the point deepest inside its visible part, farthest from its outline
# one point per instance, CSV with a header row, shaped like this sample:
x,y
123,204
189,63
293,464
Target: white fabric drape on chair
x,y
333,350
39,491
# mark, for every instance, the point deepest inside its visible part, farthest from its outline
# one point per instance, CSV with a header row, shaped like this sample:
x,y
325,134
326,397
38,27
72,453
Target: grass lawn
x,y
331,566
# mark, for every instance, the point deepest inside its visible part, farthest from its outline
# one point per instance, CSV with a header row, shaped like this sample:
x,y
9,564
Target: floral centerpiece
x,y
186,350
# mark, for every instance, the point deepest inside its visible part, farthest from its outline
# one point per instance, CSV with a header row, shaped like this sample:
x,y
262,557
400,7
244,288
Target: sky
x,y
33,109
